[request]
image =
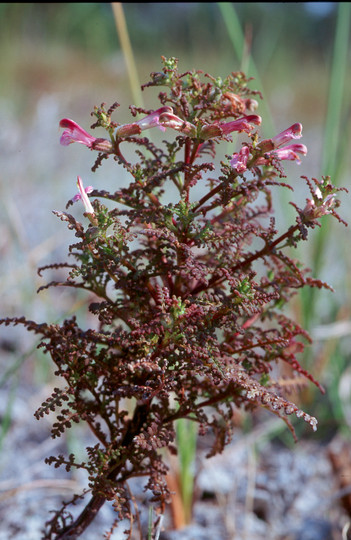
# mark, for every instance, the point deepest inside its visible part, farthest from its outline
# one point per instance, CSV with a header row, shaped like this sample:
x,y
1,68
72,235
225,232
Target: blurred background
x,y
60,59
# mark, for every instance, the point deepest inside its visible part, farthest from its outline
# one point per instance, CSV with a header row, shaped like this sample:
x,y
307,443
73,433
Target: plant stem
x,y
83,521
268,248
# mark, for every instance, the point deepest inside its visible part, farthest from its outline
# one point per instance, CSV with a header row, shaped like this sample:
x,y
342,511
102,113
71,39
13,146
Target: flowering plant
x,y
189,294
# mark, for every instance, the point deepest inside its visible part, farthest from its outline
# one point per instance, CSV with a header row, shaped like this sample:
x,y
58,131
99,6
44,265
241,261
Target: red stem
x,y
75,529
216,280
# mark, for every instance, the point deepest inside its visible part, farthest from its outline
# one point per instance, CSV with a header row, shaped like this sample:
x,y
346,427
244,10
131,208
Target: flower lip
x,y
290,152
75,133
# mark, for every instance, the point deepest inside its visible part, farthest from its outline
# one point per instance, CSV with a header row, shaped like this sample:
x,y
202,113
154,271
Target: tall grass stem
x,y
186,431
244,56
339,67
334,153
126,46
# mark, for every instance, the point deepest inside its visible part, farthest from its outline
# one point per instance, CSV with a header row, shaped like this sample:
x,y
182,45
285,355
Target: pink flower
x,y
168,119
290,152
149,121
286,153
82,195
75,133
273,145
241,124
239,161
293,132
271,148
318,206
224,128
153,119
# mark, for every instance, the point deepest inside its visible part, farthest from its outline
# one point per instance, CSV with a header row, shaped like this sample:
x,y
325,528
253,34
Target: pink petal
x,y
290,152
82,195
239,161
241,124
293,132
74,133
149,121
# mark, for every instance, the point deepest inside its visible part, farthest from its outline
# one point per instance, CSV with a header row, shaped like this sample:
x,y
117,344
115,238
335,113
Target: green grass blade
x,y
234,30
122,31
334,153
186,443
339,68
150,521
237,38
7,415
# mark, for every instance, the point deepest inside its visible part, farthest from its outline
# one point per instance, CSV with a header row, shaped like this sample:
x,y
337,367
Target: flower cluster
x,y
270,148
161,118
